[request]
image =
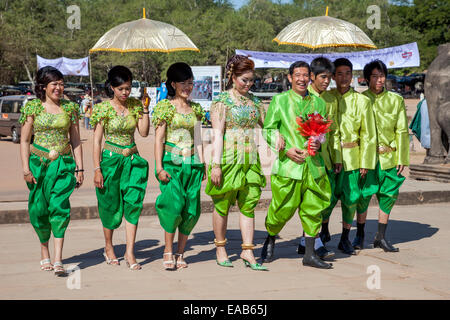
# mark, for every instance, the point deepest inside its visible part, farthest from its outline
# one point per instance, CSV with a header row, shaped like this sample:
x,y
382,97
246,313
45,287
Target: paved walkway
x,y
418,271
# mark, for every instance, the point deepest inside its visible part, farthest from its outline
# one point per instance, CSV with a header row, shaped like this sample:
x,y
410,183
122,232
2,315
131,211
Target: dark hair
x,y
342,62
375,64
320,65
117,76
177,72
44,76
299,64
237,65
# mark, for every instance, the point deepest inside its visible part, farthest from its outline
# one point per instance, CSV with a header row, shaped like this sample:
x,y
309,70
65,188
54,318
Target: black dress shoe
x,y
325,237
358,243
301,249
324,253
267,250
314,261
385,245
346,247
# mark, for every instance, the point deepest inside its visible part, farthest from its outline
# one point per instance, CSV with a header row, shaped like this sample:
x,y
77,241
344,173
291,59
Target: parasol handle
x,y
325,13
144,13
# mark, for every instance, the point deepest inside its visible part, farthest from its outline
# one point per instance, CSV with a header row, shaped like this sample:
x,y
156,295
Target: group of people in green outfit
x,y
363,154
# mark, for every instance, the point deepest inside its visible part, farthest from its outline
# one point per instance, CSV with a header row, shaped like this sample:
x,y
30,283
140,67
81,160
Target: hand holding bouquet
x,y
314,127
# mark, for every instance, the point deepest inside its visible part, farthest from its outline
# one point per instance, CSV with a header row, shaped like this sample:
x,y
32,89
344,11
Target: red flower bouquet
x,y
314,128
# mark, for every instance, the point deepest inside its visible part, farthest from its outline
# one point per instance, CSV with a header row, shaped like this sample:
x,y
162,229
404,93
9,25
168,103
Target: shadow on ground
x,y
150,250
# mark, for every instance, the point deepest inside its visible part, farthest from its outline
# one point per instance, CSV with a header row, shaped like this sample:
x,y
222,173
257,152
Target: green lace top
x,y
118,129
241,118
50,130
180,127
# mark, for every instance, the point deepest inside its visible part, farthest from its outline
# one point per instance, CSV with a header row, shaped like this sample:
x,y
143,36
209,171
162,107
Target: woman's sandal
x,y
46,262
134,266
113,262
169,262
180,264
59,269
253,266
226,263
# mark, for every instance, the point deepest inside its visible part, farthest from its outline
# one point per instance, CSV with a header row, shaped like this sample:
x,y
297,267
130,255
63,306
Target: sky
x,y
239,3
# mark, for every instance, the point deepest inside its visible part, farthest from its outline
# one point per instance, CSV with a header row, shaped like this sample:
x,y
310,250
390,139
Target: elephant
x,y
437,93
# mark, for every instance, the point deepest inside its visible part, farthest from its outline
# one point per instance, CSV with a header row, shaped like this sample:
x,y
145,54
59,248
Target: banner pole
x,y
90,76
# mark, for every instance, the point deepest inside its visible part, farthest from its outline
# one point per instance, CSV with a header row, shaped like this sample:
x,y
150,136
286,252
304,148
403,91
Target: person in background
x,y
420,124
425,138
86,105
161,92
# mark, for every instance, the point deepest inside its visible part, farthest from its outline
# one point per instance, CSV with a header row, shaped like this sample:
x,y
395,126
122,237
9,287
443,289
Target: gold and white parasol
x,y
144,35
324,31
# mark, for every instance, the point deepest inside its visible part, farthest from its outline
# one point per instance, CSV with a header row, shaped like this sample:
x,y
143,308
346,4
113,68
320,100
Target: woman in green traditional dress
x,y
48,164
235,173
179,164
120,173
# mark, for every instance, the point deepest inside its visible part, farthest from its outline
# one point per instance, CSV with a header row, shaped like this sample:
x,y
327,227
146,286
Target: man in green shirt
x,y
392,154
321,72
298,180
358,145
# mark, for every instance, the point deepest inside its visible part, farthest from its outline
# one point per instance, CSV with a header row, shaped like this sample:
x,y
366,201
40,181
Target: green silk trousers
x,y
48,202
124,186
311,196
178,206
353,191
242,180
347,188
385,184
350,185
335,194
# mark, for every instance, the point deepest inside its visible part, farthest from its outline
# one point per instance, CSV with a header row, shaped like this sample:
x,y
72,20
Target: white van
x,y
137,89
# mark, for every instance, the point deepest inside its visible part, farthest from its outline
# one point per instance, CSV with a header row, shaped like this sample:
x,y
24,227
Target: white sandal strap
x,y
58,264
133,265
178,255
108,259
45,261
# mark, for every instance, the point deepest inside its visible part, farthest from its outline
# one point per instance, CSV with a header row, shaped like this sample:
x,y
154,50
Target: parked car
x,y
267,90
10,113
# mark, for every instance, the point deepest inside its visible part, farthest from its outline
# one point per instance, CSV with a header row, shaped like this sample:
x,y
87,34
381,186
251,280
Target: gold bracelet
x,y
215,165
27,174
